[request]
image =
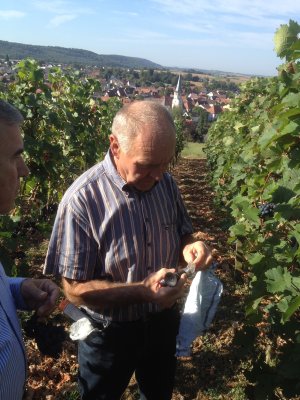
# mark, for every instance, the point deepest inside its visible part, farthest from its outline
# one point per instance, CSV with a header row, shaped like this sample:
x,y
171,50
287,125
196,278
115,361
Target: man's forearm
x,y
98,294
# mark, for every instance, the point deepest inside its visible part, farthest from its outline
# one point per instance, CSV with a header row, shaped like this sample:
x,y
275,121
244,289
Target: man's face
x,y
12,165
147,160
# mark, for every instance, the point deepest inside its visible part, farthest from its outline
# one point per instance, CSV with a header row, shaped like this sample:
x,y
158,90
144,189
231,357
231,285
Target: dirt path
x,y
213,369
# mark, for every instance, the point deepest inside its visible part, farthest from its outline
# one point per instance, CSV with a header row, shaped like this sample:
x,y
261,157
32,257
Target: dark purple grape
x,y
266,210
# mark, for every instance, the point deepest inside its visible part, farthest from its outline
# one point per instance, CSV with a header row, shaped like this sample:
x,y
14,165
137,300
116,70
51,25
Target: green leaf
x,y
278,280
228,141
283,305
238,230
267,137
288,212
293,306
238,126
252,214
294,158
292,100
285,37
5,234
15,218
256,303
296,283
255,258
282,195
290,128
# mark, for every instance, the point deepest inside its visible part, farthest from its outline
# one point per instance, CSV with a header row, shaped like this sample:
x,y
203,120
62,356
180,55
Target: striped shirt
x,y
12,351
105,229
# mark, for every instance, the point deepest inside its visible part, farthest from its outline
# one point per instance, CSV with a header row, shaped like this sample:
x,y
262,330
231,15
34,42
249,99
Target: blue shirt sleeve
x,y
15,288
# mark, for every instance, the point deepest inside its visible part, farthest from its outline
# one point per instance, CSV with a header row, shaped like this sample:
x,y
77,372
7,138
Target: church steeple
x,y
177,100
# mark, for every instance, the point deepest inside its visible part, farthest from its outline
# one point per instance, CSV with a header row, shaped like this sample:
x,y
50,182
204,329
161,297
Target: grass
x,y
193,150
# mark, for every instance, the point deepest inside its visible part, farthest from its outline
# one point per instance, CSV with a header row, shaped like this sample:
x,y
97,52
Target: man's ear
x,y
114,146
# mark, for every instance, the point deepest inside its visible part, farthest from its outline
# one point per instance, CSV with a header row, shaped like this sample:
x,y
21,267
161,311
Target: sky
x,y
226,35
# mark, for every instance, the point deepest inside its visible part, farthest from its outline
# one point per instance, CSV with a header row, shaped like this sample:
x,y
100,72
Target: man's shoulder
x,y
85,182
91,176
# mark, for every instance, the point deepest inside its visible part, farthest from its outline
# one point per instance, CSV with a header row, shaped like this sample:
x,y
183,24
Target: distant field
x,y
227,77
193,150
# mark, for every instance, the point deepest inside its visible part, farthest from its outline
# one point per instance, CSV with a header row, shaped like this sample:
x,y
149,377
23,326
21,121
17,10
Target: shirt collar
x,y
109,166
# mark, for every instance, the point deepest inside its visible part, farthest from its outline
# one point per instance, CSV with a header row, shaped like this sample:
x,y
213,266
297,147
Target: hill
x,y
63,55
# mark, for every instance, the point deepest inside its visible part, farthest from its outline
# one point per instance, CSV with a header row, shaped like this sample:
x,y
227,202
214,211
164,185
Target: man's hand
x,y
40,295
165,297
198,253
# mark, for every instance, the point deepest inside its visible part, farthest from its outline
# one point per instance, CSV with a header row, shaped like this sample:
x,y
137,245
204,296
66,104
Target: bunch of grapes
x,y
266,210
294,243
24,228
48,337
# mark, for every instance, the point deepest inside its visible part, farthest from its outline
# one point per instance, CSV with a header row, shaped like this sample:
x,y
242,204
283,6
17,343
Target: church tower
x,y
177,100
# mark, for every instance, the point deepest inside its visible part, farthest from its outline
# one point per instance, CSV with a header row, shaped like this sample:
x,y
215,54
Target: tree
x,y
202,126
7,60
180,131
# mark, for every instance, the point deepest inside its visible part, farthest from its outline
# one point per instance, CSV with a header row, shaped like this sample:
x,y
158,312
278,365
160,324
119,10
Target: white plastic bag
x,y
81,329
199,309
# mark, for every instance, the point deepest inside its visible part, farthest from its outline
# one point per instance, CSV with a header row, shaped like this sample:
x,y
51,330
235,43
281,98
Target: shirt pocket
x,y
168,227
169,243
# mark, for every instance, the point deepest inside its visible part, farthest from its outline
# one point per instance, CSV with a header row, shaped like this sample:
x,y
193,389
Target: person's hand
x,y
40,295
198,253
165,297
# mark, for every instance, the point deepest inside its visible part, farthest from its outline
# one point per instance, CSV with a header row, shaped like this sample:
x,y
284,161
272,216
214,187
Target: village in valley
x,y
198,96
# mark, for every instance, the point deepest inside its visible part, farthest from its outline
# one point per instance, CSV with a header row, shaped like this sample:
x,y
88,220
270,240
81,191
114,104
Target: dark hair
x,y
9,114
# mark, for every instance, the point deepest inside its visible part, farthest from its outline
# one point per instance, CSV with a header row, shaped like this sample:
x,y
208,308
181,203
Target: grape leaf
x,y
278,280
292,100
284,37
293,306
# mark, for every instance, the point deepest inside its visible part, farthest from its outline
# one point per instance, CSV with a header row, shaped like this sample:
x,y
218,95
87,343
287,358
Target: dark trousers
x,y
108,359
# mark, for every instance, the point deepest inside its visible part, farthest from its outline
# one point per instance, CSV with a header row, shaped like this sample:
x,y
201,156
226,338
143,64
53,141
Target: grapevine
x,y
257,179
65,132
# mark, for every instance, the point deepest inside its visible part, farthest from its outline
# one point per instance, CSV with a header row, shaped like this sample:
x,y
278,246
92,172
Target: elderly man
x,y
21,293
120,228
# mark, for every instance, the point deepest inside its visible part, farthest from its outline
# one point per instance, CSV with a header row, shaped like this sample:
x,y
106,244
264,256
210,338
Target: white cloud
x,y
253,40
9,14
63,10
251,8
190,26
242,14
126,13
233,23
61,19
60,7
145,35
260,23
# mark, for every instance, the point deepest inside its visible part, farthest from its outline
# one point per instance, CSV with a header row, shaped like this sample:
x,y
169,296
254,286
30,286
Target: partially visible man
x,y
16,293
119,229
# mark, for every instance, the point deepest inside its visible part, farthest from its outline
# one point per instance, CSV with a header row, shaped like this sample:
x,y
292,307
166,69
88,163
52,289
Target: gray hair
x,y
9,114
130,119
